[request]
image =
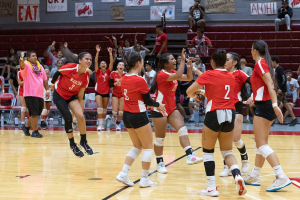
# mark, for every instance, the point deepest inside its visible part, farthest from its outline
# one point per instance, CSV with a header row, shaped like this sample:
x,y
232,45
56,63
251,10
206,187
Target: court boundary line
x,y
136,181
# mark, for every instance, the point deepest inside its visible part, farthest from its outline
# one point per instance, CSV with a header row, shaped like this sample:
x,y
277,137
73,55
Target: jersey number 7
x,y
227,87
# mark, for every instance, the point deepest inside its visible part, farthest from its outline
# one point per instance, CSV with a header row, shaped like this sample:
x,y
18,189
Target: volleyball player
x,y
47,102
164,85
136,95
102,87
69,91
117,96
240,92
265,98
219,121
21,99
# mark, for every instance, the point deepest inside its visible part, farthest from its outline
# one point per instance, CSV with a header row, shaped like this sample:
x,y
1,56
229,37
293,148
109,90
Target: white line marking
x,y
285,173
252,197
296,183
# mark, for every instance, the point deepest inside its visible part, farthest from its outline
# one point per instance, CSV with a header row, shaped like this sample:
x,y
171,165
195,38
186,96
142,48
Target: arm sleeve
x,y
207,41
149,101
290,12
111,83
55,77
164,38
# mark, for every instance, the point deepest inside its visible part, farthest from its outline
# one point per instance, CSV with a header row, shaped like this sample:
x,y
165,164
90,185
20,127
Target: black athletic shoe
x,y
36,134
76,151
293,122
43,125
86,147
26,130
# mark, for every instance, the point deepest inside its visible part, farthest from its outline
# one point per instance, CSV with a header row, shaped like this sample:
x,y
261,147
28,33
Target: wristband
x,y
275,105
3,91
194,68
188,66
110,54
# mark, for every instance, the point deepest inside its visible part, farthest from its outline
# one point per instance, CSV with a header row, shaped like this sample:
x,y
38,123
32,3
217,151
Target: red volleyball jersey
x,y
19,76
117,88
159,40
102,85
69,82
240,78
259,87
165,93
219,89
133,86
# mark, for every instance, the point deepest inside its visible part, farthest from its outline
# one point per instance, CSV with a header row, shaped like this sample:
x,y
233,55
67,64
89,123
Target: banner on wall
x,y
57,5
84,9
186,4
220,6
109,1
28,13
164,1
294,3
117,12
28,2
6,7
137,2
157,11
263,8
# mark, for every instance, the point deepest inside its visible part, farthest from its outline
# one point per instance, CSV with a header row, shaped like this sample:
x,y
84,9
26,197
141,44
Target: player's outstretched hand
x,y
98,48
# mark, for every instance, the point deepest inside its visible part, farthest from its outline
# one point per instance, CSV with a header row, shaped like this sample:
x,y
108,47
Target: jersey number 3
x,y
227,87
125,94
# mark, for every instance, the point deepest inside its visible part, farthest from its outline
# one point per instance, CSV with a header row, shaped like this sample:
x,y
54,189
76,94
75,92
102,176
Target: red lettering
x,y
28,13
295,2
274,11
50,1
35,12
253,8
56,1
20,13
269,8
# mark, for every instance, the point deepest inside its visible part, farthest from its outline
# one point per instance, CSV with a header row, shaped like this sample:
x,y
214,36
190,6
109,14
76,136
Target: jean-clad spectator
x,y
197,13
285,13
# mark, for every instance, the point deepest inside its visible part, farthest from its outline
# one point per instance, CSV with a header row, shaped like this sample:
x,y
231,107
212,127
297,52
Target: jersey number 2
x,y
125,94
227,87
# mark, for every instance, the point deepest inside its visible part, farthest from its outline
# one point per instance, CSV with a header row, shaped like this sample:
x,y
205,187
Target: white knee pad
x,y
239,144
147,155
257,151
159,142
104,111
134,153
265,150
226,153
183,131
44,112
120,113
114,113
23,109
100,111
208,157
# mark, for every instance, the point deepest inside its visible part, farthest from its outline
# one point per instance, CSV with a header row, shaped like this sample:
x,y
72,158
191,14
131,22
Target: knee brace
x,y
208,155
44,112
104,111
265,150
114,113
226,153
183,131
100,111
257,151
68,123
239,144
147,155
159,142
134,153
23,109
120,113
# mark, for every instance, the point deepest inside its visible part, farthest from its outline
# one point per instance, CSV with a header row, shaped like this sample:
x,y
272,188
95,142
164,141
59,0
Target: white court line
x,y
296,183
252,197
285,173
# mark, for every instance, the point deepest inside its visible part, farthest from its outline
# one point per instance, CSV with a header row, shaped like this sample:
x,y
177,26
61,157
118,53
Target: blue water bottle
x,y
108,119
2,120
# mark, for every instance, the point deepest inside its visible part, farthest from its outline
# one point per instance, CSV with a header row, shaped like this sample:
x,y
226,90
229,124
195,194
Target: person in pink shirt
x,y
35,80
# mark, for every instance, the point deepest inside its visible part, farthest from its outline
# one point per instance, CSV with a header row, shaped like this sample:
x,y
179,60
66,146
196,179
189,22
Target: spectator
x,y
292,86
199,66
149,73
161,42
247,70
192,52
119,57
48,61
143,53
58,65
201,43
11,62
197,13
282,89
285,13
298,73
56,58
127,49
14,85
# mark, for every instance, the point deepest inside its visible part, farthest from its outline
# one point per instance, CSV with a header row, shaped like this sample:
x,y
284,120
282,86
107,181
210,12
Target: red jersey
x,y
259,87
19,76
117,88
159,40
219,89
201,45
133,86
165,93
240,78
69,82
102,85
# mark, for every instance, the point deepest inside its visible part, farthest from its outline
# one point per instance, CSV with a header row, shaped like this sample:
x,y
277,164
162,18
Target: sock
x,y
188,150
23,123
243,152
235,170
211,183
126,168
118,123
278,171
145,173
224,162
100,122
83,138
255,172
159,159
247,117
72,142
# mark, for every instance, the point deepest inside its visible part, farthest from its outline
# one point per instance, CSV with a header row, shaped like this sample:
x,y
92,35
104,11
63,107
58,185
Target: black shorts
x,y
35,105
239,108
177,99
155,114
135,120
211,122
265,110
102,95
57,97
116,96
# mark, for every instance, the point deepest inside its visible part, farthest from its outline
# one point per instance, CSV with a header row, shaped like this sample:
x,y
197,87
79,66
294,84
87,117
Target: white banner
x,y
109,1
28,2
57,5
294,3
157,11
263,8
83,9
186,4
28,13
137,2
164,1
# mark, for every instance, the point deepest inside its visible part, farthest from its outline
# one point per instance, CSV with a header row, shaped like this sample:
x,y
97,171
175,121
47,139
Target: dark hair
x,y
288,70
200,30
160,27
164,59
243,56
133,58
9,54
275,58
71,57
28,54
219,57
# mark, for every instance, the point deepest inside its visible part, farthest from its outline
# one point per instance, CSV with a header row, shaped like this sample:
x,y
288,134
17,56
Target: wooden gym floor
x,y
46,168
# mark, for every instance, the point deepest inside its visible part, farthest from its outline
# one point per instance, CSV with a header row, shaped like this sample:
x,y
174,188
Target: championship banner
x,y
164,1
137,2
186,4
84,9
220,6
263,8
6,7
57,5
109,1
294,3
157,11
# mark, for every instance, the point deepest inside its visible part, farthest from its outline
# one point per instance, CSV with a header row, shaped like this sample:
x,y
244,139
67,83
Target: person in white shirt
x,y
199,66
292,86
138,48
149,73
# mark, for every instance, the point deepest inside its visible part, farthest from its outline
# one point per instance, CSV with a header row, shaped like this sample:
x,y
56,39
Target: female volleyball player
x,y
102,86
47,102
219,121
117,97
164,86
265,98
136,95
240,92
21,99
69,91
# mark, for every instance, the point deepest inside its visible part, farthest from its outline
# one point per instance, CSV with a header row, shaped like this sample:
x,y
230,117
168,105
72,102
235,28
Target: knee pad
x,y
100,111
265,150
159,142
183,131
114,113
147,155
68,123
134,153
104,111
120,113
208,155
239,144
44,112
23,109
226,153
257,151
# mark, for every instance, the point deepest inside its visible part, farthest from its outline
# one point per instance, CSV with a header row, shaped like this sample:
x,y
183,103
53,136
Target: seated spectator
x,y
11,62
149,73
285,13
14,85
199,66
48,61
292,86
286,114
197,13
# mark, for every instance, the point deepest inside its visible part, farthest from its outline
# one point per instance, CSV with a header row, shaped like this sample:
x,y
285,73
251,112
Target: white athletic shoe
x,y
74,125
193,159
240,185
146,182
124,178
99,128
161,168
279,183
245,166
118,127
213,192
113,120
226,172
249,180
